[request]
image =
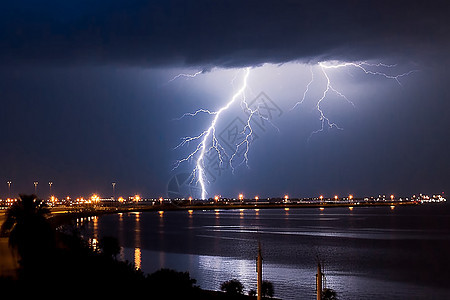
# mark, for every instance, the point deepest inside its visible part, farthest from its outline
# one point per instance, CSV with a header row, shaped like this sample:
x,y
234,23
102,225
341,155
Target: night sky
x,y
87,97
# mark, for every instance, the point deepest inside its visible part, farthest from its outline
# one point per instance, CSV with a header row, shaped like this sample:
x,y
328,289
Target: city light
x,y
95,198
349,201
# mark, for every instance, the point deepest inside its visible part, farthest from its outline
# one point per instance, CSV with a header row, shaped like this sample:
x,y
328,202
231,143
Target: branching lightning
x,y
208,141
324,66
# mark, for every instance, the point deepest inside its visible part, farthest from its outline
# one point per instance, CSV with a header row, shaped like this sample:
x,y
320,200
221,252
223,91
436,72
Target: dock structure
x,y
259,271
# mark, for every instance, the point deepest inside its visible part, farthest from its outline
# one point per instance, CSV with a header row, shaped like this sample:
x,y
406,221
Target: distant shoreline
x,y
63,214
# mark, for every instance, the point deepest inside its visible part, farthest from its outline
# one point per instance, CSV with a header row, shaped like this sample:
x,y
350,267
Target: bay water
x,y
365,252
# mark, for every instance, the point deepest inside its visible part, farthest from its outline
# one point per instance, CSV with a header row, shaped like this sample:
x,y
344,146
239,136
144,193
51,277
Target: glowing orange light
x,y
216,198
256,198
392,206
286,208
137,198
321,208
241,196
392,197
161,213
350,197
286,197
95,198
335,197
321,197
190,211
351,208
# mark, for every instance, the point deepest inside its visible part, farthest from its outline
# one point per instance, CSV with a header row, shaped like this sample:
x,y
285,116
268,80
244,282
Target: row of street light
x,y
50,183
35,183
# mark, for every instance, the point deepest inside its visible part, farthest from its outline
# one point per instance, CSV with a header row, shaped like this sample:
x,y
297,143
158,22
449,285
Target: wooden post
x,y
319,282
259,270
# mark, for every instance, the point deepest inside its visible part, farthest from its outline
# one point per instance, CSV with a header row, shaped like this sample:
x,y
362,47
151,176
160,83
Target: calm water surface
x,y
368,253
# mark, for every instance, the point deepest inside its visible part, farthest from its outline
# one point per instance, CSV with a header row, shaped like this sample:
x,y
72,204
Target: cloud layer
x,y
221,33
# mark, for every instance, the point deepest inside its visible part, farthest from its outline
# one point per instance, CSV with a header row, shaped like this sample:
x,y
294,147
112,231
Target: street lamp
x,y
113,188
9,188
50,184
35,186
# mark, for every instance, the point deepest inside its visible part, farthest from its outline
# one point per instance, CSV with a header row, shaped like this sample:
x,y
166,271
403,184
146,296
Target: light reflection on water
x,y
371,252
211,271
289,282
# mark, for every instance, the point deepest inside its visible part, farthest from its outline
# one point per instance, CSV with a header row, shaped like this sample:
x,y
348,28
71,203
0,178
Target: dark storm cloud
x,y
221,33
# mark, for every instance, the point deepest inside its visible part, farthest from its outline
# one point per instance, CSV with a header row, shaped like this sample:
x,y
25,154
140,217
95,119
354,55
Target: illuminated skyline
x,y
90,98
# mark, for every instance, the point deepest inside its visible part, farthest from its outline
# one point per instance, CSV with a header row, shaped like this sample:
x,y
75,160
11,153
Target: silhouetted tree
x,y
110,246
267,289
329,294
170,284
29,231
232,287
252,293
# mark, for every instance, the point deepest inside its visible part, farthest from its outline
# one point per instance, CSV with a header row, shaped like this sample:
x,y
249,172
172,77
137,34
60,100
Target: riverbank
x,y
73,259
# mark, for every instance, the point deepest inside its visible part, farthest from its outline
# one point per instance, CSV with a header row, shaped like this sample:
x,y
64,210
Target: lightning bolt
x,y
186,75
324,66
207,140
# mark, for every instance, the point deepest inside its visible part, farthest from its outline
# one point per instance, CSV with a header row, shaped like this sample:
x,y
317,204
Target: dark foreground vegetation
x,y
58,260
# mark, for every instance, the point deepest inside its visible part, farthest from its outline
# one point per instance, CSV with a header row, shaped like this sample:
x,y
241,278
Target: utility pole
x,y
259,271
319,284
